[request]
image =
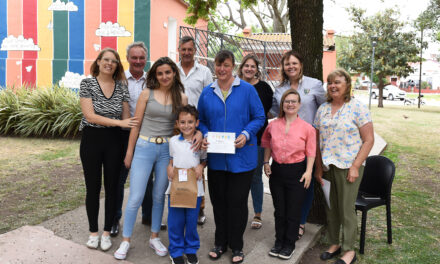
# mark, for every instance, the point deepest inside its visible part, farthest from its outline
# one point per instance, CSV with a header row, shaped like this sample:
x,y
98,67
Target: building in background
x,y
44,42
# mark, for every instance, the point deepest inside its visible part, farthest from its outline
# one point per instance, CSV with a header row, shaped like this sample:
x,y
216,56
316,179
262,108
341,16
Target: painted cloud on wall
x,y
61,6
72,80
109,29
19,43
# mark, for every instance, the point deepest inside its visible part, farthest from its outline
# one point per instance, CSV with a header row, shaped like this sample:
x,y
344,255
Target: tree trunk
x,y
306,22
278,27
380,87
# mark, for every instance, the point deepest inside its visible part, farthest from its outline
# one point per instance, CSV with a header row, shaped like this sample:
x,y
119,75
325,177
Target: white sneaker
x,y
93,242
106,243
160,249
121,253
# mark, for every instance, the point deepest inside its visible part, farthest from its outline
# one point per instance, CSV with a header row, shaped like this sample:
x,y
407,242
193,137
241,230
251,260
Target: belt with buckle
x,y
157,140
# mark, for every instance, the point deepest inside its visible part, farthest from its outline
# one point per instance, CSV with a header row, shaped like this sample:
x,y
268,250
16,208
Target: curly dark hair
x,y
176,89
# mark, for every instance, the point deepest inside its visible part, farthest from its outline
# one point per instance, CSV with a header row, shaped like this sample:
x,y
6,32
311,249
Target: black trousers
x,y
229,194
147,204
288,195
101,148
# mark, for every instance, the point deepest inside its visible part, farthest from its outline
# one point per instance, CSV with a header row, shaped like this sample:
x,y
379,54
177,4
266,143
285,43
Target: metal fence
x,y
208,43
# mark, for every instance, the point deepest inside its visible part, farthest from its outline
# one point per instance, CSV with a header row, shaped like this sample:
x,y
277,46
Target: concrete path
x,y
73,226
35,244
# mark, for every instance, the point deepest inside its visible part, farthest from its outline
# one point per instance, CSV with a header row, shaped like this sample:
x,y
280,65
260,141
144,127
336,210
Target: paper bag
x,y
183,192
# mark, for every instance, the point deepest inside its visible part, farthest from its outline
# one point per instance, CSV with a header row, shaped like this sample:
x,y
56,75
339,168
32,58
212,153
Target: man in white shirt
x,y
137,59
194,77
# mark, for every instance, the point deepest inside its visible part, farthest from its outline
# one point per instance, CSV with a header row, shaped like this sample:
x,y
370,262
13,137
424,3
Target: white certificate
x,y
221,142
326,190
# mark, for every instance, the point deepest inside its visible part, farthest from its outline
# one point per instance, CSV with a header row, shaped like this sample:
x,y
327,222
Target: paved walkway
x,y
62,240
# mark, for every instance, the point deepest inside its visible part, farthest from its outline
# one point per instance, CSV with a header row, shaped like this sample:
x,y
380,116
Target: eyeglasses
x,y
290,102
107,60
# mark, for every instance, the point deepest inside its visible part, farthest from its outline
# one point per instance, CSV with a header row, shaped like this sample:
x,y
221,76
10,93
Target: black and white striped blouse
x,y
103,106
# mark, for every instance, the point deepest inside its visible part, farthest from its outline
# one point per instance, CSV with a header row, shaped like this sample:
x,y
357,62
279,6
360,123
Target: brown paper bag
x,y
183,194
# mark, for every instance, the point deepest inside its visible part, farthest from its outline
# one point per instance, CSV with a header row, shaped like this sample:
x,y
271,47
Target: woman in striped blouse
x,y
104,104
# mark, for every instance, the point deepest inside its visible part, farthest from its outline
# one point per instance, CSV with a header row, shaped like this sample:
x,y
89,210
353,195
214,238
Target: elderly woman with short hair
x,y
345,138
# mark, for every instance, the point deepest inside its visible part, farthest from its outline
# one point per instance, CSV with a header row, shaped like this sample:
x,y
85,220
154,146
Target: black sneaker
x,y
177,260
192,259
286,252
275,251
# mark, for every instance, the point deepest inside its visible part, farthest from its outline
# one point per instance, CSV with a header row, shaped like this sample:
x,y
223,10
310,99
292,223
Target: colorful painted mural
x,y
47,41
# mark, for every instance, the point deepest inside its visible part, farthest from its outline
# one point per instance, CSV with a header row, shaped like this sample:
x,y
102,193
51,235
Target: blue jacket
x,y
241,113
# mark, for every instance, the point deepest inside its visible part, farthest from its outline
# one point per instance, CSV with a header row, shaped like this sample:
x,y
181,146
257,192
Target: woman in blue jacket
x,y
230,105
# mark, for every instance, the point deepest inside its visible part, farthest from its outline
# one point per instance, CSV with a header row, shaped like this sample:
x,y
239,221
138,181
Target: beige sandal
x,y
256,223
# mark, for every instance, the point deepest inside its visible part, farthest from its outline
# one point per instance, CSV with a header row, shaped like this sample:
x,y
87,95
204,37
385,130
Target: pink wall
x,y
328,63
161,10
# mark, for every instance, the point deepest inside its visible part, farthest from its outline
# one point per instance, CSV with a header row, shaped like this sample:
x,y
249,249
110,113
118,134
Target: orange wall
x,y
328,63
161,10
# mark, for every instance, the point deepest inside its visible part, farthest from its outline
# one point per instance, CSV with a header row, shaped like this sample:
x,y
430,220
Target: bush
x,y
40,112
10,103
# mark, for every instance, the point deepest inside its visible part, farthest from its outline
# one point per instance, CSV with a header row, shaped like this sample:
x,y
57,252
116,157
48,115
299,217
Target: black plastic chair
x,y
374,191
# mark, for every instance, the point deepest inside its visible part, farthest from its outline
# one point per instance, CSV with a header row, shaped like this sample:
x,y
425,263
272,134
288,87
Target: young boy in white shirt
x,y
182,222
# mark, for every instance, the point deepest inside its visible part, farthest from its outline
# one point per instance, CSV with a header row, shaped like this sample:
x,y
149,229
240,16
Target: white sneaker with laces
x,y
122,251
106,243
160,249
93,242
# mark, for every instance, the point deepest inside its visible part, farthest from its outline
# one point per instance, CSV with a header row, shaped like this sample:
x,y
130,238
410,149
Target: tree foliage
x,y
394,51
430,17
271,15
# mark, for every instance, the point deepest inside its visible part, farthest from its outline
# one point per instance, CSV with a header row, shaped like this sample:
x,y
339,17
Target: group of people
x,y
159,121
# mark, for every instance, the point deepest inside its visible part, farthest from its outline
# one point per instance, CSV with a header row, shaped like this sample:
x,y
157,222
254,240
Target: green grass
x,y
413,145
40,178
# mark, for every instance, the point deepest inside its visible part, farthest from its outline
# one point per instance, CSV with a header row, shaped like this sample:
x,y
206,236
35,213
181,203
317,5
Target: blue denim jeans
x,y
308,200
257,183
147,204
146,156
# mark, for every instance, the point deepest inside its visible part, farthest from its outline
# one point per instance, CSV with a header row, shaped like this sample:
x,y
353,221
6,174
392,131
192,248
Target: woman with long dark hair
x,y
104,104
148,146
